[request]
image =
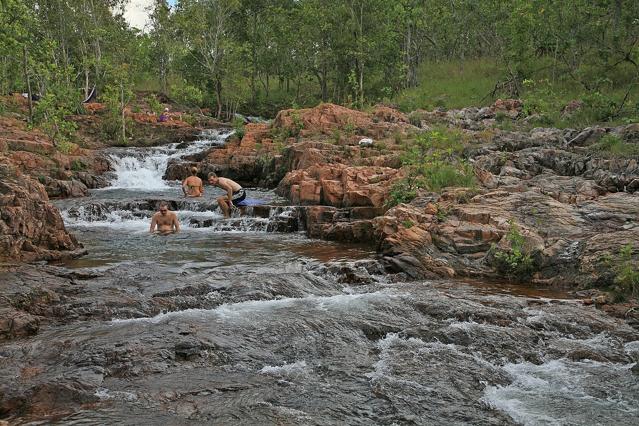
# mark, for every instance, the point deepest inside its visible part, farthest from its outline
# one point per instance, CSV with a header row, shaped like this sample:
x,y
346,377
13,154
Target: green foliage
x,y
442,213
401,192
155,106
432,161
298,126
187,94
116,96
398,137
78,165
408,224
238,126
50,114
627,272
415,118
349,128
613,146
337,136
516,262
449,83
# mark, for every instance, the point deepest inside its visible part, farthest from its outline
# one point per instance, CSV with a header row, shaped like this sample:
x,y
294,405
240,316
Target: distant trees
x,y
230,54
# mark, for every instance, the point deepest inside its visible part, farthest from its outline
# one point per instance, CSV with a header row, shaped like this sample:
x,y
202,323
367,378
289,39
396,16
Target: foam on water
x,y
143,169
632,348
240,310
129,220
295,370
566,392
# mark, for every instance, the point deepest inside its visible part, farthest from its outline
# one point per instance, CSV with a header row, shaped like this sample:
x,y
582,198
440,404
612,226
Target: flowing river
x,y
246,321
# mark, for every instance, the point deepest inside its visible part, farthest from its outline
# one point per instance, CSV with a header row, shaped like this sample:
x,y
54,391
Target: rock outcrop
x,y
338,185
30,227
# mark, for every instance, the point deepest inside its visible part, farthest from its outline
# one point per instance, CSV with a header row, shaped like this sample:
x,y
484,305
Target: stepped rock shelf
x,y
383,316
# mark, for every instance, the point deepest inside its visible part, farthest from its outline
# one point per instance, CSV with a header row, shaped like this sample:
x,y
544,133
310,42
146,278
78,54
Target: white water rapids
x,y
143,168
233,324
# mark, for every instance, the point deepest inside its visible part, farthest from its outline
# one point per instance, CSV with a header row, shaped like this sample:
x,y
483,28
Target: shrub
x,y
401,192
298,126
238,126
516,262
599,107
415,118
50,115
408,224
77,165
398,137
337,136
154,105
627,272
187,95
432,161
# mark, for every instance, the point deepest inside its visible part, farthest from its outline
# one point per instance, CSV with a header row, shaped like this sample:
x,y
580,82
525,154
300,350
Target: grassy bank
x,y
458,84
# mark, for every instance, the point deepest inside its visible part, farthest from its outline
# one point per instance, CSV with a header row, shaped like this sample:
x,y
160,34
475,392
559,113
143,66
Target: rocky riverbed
x,y
323,306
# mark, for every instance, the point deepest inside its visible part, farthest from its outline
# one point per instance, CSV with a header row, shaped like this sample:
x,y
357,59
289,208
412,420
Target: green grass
x,y
451,85
454,85
612,146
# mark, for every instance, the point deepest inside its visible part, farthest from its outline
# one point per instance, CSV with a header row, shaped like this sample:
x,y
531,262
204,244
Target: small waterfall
x,y
262,219
136,215
143,168
144,173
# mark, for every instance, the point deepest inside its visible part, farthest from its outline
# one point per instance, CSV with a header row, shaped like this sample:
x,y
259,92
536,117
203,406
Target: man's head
x,y
164,208
213,179
193,171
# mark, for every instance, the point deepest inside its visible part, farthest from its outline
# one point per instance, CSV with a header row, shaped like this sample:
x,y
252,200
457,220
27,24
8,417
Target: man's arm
x,y
176,224
229,191
153,224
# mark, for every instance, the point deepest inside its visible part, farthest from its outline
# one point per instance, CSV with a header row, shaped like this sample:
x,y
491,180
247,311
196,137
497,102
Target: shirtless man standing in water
x,y
165,221
192,185
234,193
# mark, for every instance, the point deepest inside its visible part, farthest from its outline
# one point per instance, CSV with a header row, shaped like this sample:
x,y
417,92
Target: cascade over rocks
x,y
561,194
30,227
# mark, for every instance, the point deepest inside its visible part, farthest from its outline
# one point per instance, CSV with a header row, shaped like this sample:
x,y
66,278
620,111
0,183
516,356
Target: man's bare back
x,y
165,221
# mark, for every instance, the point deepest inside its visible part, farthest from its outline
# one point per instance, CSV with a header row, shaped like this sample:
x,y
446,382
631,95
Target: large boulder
x,y
31,228
338,185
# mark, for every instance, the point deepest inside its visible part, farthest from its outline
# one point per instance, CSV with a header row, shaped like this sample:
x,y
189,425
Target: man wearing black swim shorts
x,y
234,193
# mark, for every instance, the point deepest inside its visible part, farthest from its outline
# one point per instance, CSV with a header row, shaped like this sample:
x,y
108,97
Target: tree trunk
x,y
122,108
27,80
218,97
86,83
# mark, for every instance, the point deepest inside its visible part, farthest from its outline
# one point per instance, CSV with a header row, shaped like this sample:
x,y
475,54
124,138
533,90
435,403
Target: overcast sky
x,y
136,12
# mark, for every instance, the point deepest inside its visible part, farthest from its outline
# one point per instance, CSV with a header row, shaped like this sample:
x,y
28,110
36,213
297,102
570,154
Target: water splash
x,y
144,168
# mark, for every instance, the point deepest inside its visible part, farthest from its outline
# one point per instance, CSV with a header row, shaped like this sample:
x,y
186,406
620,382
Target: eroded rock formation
x,y
30,227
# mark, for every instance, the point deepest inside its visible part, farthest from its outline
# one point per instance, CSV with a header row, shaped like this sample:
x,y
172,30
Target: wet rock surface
x,y
304,342
247,321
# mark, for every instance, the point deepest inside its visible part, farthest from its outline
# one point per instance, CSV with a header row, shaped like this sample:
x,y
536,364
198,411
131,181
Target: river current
x,y
237,322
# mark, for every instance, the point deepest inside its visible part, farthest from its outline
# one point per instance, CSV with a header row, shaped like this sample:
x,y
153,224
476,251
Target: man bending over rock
x,y
234,193
165,221
192,185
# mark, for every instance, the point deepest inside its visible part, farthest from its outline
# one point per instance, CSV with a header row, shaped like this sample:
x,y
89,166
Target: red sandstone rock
x,y
339,185
389,115
30,227
510,107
